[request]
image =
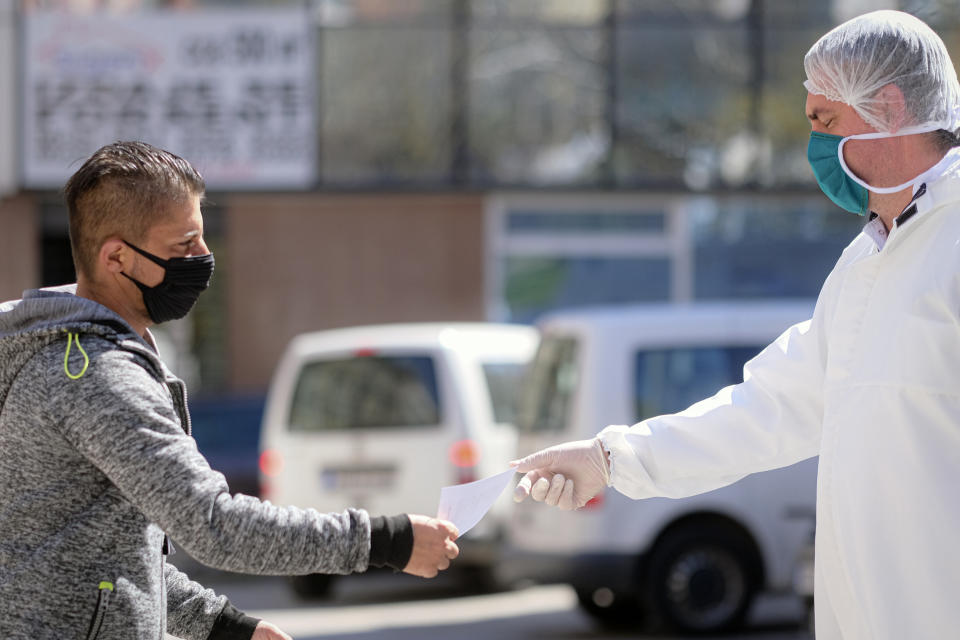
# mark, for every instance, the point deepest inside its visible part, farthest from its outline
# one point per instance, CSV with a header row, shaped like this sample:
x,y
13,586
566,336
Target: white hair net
x,y
851,63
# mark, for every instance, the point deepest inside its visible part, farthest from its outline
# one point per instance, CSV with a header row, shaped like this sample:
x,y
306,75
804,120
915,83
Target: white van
x,y
692,564
382,417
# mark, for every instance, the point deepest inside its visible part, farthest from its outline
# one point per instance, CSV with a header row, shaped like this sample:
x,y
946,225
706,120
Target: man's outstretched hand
x,y
567,475
267,631
433,546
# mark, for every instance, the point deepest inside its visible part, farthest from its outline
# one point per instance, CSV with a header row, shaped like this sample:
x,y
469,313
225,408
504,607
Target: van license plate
x,y
357,478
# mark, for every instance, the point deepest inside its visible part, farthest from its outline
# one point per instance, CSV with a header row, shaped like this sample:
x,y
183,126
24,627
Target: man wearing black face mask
x,y
97,465
184,279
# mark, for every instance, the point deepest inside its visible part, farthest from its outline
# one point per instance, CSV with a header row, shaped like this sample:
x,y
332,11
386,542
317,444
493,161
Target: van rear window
x,y
546,403
368,392
670,380
505,383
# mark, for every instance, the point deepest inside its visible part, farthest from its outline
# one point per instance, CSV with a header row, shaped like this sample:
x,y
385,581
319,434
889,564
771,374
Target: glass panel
x,y
532,221
670,380
504,380
536,106
339,13
538,284
384,119
752,248
818,14
357,393
683,11
545,405
581,12
188,4
683,107
785,126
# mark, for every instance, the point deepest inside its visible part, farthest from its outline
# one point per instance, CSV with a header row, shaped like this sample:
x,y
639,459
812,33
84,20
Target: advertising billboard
x,y
229,90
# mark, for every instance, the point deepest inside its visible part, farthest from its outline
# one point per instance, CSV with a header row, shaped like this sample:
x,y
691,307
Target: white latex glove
x,y
567,475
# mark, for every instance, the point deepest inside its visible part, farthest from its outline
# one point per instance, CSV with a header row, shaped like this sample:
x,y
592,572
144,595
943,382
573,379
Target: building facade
x,y
437,159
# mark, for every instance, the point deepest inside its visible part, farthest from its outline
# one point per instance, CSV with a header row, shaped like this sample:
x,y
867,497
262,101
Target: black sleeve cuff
x,y
233,624
391,541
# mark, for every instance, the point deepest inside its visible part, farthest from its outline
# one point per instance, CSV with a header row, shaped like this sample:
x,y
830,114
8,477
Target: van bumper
x,y
618,572
584,572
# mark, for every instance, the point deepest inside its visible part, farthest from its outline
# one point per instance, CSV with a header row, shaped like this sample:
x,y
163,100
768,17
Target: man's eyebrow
x,y
192,234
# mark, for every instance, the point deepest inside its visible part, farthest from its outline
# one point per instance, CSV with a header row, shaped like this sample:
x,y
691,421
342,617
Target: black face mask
x,y
183,282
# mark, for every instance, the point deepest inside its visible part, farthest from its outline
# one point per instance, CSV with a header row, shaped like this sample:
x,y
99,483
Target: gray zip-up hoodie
x,y
96,464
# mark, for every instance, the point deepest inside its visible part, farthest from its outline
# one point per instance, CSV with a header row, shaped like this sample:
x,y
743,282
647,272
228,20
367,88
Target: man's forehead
x,y
817,112
182,221
818,105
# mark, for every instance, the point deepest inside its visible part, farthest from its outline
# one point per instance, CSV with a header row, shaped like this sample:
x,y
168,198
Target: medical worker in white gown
x,y
871,383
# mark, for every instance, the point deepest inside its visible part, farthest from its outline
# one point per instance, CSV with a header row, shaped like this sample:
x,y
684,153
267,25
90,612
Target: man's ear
x,y
893,105
114,256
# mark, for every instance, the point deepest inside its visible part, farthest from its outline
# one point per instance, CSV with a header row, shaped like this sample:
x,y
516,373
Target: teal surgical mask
x,y
823,152
837,181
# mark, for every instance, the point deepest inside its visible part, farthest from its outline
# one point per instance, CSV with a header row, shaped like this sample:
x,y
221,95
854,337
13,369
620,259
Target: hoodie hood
x,y
43,316
57,308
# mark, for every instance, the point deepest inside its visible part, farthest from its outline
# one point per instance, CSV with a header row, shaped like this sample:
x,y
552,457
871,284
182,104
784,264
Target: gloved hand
x,y
566,475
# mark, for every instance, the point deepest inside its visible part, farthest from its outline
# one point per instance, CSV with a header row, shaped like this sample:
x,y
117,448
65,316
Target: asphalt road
x,y
383,606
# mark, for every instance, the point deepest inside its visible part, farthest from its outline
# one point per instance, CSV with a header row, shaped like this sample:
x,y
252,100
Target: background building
x,y
390,160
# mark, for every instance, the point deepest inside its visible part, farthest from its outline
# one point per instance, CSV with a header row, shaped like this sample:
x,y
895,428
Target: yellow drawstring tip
x,y
74,337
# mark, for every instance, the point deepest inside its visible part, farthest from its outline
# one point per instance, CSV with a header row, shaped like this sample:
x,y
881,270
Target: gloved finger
x,y
556,487
539,490
533,461
567,500
522,489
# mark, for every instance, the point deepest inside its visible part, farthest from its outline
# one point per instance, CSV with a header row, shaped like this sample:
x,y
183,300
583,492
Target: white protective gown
x,y
872,384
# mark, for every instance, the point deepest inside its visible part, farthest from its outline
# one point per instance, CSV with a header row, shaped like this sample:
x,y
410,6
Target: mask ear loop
x,y
907,131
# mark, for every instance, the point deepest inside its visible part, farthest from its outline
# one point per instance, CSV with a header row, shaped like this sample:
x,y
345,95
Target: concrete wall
x,y
307,262
19,246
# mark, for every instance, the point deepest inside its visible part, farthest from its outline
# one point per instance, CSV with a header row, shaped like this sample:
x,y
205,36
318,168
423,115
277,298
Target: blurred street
x,y
382,605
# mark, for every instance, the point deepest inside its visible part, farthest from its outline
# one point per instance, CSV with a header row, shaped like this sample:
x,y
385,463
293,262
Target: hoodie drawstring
x,y
71,337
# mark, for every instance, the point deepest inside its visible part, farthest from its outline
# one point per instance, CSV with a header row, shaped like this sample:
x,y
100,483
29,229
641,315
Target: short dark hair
x,y
945,140
124,189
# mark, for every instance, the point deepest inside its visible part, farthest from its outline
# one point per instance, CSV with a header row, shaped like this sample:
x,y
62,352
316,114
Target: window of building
x,y
690,95
766,246
550,252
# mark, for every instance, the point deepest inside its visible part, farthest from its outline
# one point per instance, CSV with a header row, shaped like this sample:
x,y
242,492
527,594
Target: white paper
x,y
465,504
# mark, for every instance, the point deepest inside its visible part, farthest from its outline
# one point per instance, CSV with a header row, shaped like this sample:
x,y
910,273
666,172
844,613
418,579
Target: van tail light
x,y
364,353
271,463
594,503
464,456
